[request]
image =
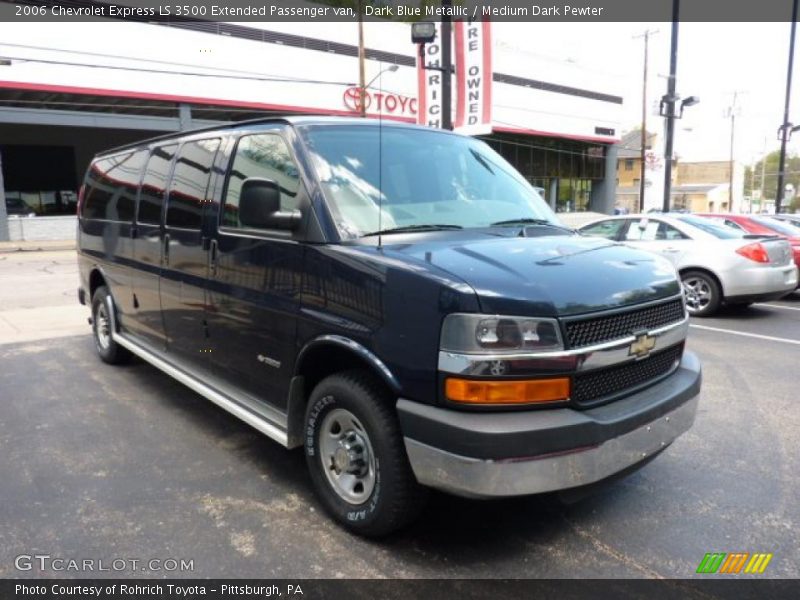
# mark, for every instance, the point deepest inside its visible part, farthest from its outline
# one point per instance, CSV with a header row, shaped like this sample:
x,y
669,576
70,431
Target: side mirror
x,y
260,206
643,224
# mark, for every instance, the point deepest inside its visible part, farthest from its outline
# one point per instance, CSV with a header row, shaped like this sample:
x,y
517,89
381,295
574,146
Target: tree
x,y
752,175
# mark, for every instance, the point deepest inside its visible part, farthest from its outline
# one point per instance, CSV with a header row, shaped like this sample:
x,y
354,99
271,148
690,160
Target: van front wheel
x,y
109,350
356,455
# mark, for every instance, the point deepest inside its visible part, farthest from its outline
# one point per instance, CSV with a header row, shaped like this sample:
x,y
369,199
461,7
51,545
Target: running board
x,y
259,422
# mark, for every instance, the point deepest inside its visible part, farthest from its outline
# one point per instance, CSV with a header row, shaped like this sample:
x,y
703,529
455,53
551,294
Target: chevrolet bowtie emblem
x,y
642,346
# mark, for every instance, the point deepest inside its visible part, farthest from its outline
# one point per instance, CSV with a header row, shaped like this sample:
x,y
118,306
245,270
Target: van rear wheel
x,y
102,323
356,455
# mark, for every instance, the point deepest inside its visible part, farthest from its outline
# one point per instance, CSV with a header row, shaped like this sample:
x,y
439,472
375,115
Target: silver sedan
x,y
717,264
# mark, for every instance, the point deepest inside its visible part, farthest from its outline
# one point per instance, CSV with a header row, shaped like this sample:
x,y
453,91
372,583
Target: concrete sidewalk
x,y
34,246
38,296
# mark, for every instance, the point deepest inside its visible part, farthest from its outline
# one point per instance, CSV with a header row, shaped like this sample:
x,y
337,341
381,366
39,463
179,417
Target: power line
x,y
187,73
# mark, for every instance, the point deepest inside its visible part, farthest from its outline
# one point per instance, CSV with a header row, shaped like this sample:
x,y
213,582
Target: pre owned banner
x,y
473,50
473,79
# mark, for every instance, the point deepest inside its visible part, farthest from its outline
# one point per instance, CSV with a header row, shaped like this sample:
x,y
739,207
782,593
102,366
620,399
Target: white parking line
x,y
778,306
745,334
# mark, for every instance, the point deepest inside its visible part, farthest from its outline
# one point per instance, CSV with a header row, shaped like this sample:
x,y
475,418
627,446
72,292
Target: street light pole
x,y
447,105
672,99
786,126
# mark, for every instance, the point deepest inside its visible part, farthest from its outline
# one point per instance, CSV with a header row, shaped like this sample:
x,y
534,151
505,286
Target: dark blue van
x,y
396,300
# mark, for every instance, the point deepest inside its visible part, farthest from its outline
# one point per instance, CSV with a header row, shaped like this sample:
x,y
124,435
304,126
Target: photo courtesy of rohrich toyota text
x,y
399,299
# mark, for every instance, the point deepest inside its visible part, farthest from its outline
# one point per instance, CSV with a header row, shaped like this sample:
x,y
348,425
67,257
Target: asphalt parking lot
x,y
105,462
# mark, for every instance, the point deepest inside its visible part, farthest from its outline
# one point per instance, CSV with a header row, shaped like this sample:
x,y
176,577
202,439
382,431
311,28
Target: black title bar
x,y
399,10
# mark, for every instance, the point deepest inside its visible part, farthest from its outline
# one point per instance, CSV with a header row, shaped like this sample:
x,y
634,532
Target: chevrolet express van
x,y
397,301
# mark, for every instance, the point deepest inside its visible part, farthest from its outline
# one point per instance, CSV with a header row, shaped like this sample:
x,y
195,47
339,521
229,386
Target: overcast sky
x,y
714,60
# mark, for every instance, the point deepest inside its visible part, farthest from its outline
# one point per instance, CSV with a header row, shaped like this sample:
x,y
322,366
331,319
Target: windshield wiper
x,y
413,228
529,221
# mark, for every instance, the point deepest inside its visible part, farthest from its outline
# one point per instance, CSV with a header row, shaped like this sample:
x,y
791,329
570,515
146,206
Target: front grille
x,y
598,330
593,387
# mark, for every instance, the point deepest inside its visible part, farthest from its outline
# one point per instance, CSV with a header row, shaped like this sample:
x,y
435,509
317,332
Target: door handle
x,y
212,256
166,249
672,249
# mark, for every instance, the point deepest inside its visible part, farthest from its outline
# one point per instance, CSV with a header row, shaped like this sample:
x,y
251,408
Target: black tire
x,y
367,441
702,292
108,350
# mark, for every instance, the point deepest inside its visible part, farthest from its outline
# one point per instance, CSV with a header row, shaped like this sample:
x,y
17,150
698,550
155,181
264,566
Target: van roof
x,y
290,120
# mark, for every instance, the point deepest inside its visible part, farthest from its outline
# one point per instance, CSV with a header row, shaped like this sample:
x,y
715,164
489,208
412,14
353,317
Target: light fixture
x,y
690,101
423,32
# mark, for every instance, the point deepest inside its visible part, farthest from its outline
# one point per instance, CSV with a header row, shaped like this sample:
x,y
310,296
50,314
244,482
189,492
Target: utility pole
x,y
785,128
671,101
646,35
361,59
763,174
732,115
447,104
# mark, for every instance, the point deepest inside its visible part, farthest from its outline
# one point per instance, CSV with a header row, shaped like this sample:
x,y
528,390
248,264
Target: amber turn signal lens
x,y
529,391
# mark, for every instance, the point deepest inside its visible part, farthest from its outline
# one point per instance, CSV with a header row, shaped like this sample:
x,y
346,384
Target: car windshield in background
x,y
779,226
394,178
719,230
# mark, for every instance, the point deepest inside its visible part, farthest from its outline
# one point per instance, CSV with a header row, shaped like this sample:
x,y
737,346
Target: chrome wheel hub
x,y
347,457
102,326
697,292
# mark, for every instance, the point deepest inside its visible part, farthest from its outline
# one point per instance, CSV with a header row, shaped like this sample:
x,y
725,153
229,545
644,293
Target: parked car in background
x,y
16,206
762,225
793,219
717,264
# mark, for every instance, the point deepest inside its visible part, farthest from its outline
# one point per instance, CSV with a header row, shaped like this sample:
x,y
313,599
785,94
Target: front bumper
x,y
485,455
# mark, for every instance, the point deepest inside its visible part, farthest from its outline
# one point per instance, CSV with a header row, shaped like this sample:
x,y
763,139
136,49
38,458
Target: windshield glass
x,y
719,230
412,178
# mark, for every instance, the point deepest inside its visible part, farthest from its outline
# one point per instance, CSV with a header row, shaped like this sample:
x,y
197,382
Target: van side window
x,y
266,156
187,189
111,187
151,196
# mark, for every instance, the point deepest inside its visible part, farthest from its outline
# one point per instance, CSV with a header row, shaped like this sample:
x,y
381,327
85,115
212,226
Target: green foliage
x,y
752,174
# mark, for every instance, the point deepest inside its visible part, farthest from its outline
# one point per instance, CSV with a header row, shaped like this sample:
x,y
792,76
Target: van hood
x,y
544,276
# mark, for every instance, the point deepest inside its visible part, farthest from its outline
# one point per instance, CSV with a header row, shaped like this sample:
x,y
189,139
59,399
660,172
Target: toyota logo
x,y
353,97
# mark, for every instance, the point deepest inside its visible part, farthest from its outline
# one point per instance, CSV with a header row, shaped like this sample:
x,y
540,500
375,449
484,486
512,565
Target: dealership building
x,y
68,91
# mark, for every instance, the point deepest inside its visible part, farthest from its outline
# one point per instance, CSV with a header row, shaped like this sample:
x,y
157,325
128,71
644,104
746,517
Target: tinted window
x,y
111,187
605,229
187,189
709,226
155,180
265,156
779,226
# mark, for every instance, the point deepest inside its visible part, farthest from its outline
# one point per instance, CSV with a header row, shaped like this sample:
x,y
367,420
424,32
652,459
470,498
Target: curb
x,y
44,246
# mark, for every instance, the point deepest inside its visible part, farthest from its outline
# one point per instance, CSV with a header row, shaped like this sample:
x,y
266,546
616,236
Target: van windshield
x,y
398,178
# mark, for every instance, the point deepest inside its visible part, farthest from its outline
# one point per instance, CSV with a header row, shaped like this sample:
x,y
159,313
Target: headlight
x,y
495,334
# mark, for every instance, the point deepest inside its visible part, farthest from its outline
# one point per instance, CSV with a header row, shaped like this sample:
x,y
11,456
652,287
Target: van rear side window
x,y
111,187
151,197
187,189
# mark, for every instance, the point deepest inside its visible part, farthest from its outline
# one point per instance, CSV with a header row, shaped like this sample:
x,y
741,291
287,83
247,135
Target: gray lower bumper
x,y
486,478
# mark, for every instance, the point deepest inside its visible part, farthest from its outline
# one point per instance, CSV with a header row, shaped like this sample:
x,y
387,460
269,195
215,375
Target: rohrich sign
x,y
380,102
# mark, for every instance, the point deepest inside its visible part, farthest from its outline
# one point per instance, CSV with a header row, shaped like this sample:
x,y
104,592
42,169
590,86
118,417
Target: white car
x,y
717,264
